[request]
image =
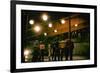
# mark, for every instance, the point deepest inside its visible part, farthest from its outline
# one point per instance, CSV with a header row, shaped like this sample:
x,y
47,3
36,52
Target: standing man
x,y
62,50
35,54
42,49
56,50
69,49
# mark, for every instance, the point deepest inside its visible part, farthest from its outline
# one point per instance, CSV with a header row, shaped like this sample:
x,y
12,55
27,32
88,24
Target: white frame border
x,y
20,65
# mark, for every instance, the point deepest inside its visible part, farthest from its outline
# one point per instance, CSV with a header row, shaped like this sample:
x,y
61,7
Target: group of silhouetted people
x,y
56,54
60,52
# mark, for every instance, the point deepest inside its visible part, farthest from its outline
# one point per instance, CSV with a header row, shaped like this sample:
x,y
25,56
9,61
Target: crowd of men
x,y
56,52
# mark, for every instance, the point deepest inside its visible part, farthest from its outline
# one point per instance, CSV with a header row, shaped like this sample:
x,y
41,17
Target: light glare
x,y
76,25
26,56
55,30
26,52
50,25
63,21
31,22
44,17
37,28
45,34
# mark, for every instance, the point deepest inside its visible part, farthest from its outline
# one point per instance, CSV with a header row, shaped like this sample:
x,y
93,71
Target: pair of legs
x,y
62,54
69,53
56,55
42,55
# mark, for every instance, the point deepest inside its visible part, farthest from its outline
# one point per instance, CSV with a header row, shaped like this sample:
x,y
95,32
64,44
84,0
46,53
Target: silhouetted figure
x,y
52,51
56,50
62,50
69,49
49,52
42,49
35,54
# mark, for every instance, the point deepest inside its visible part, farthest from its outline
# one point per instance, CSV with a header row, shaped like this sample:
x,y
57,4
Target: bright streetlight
x,y
31,21
50,25
55,30
26,56
45,17
37,28
26,52
45,34
76,25
63,21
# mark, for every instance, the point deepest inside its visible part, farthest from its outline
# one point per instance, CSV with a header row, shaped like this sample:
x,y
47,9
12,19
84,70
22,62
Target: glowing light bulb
x,y
50,25
63,21
76,25
37,28
55,30
44,17
45,34
31,22
26,52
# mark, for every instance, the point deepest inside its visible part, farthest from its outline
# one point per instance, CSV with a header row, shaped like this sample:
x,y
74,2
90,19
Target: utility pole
x,y
69,33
